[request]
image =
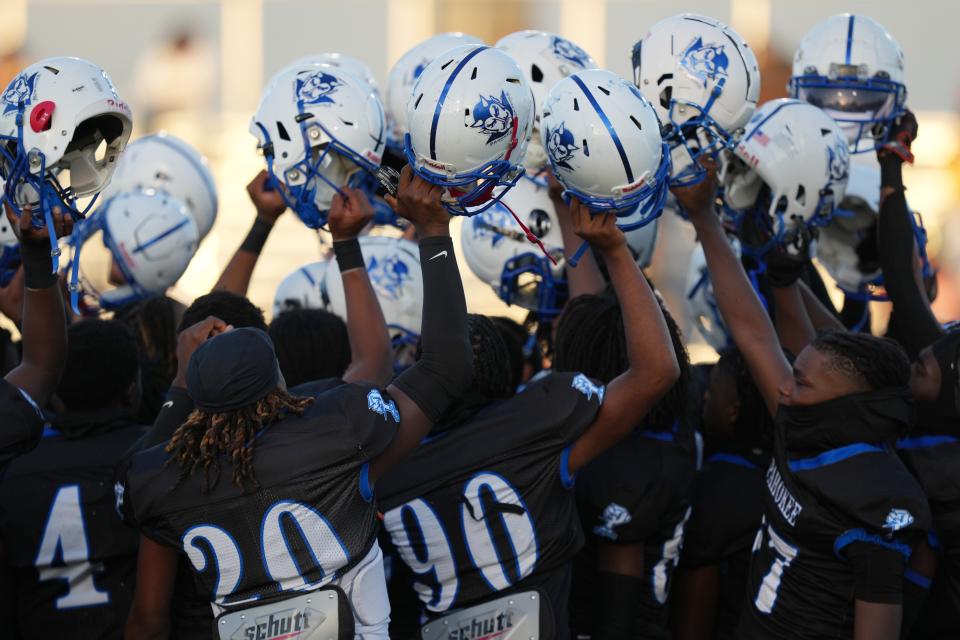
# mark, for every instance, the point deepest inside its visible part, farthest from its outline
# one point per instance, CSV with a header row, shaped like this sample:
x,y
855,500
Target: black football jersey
x,y
309,518
801,584
727,509
933,460
72,559
637,492
488,506
22,423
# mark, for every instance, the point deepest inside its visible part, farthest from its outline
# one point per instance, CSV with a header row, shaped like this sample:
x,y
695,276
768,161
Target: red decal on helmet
x,y
41,116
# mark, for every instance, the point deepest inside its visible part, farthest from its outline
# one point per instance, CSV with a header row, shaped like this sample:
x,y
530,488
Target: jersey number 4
x,y
64,553
425,547
783,555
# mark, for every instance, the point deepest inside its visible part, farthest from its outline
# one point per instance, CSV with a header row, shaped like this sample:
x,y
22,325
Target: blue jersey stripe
x,y
443,96
730,458
609,126
924,442
832,456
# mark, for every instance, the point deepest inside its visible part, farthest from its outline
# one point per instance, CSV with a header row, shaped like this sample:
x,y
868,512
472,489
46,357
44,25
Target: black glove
x,y
786,261
901,136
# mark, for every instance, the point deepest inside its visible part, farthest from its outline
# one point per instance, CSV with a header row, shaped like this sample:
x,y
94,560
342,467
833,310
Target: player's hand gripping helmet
x,y
151,238
62,129
545,59
703,80
393,265
798,153
497,251
301,289
701,304
469,119
316,127
167,164
404,74
603,142
852,68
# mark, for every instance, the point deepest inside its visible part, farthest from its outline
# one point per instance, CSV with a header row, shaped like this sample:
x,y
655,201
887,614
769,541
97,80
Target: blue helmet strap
x,y
694,174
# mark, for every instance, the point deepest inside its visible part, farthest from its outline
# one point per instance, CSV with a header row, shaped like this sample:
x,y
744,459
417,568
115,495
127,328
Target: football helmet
x,y
545,59
166,163
62,129
496,249
799,154
642,241
393,266
852,68
701,303
404,74
151,238
703,80
469,119
301,289
603,142
317,127
348,64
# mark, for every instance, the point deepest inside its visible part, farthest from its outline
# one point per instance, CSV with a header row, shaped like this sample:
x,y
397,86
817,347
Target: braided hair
x,y
311,344
878,363
199,442
591,340
492,377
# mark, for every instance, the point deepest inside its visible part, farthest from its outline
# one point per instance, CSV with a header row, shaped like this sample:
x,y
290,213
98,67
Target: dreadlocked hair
x,y
754,422
205,437
491,359
591,340
880,363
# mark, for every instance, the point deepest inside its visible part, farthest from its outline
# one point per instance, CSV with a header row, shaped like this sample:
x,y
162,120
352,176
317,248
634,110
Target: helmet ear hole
x,y
282,131
665,96
801,196
536,74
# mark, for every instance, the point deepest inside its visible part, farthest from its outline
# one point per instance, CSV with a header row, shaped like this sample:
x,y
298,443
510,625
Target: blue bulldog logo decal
x,y
563,48
705,61
317,88
838,161
493,116
561,146
388,275
19,90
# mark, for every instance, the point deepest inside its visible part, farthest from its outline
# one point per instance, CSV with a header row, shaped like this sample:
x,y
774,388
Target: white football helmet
x,y
404,75
545,59
603,141
393,265
642,242
317,126
799,153
346,63
852,68
151,238
301,289
469,119
61,118
9,252
166,163
701,303
497,250
703,80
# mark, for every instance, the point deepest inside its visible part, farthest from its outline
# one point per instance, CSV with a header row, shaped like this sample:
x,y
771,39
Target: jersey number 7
x,y
783,555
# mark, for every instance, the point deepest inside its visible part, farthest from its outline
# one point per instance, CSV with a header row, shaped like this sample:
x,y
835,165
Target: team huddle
x,y
376,462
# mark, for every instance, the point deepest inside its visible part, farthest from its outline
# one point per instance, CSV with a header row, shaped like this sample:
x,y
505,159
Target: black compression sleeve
x,y
916,588
38,270
877,572
257,236
615,611
445,367
896,243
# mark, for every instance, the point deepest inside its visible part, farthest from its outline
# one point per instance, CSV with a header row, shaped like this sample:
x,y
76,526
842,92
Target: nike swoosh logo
x,y
442,253
168,403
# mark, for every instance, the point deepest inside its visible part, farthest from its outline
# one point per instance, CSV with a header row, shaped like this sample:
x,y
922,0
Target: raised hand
x,y
268,201
902,134
22,225
190,340
698,199
349,215
599,229
419,202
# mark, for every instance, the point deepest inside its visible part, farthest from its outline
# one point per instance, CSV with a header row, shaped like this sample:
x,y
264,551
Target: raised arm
x,y
898,246
445,367
742,311
652,364
585,278
821,317
793,323
44,325
366,327
270,206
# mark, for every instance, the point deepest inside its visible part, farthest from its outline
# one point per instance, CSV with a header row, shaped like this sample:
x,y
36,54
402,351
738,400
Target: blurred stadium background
x,y
196,68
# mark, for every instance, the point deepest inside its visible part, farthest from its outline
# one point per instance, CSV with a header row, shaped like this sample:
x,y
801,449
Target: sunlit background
x,y
196,68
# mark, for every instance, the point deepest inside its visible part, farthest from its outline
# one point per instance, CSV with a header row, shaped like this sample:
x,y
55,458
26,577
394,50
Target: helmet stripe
x,y
849,38
161,236
610,129
443,96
